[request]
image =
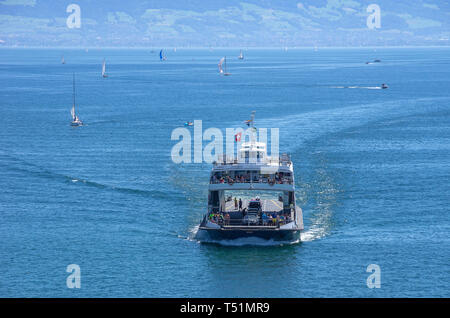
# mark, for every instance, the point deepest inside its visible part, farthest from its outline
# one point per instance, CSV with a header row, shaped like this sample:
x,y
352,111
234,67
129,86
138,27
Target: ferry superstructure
x,y
252,171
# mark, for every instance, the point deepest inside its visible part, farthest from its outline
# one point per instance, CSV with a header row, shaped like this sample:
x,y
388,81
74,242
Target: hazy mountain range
x,y
222,23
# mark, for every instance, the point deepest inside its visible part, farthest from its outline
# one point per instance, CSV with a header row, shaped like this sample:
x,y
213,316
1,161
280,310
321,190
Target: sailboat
x,y
162,57
63,61
241,56
75,120
104,69
223,71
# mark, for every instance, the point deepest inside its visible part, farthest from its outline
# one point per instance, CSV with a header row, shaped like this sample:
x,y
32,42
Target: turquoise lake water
x,y
372,171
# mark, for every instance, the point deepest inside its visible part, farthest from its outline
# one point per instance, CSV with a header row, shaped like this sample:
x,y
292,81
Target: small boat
x,y
384,86
374,61
63,61
241,56
104,69
75,120
223,71
189,123
162,57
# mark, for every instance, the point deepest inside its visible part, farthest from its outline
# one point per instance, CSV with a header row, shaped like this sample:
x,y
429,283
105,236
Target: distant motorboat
x,y
384,86
223,70
189,123
374,61
241,56
75,120
104,69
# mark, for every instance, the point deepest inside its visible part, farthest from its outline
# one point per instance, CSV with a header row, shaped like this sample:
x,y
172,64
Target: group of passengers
x,y
274,218
278,178
219,218
267,218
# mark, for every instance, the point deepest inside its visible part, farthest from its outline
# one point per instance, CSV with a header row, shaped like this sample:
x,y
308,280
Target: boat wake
x,y
22,166
362,87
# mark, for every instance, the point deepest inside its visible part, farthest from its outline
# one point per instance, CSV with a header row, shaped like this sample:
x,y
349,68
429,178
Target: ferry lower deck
x,y
272,221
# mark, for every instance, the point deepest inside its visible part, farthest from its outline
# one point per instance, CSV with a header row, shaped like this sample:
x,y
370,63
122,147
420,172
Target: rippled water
x,y
371,169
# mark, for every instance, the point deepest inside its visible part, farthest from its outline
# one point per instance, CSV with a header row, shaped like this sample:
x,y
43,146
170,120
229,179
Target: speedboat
x,y
384,86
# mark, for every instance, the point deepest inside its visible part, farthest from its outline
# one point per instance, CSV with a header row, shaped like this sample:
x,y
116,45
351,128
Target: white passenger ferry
x,y
252,195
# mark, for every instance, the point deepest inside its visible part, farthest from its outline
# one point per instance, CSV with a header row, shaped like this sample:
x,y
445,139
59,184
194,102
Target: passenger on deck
x,y
235,203
265,218
227,218
240,204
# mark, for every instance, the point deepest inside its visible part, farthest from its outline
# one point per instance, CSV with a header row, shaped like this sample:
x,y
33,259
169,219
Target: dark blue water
x,y
372,172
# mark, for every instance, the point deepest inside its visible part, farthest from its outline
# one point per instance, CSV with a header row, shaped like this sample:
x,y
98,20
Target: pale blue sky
x,y
203,23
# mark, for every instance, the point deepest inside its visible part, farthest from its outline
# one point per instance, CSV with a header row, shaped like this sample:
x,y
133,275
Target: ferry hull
x,y
276,235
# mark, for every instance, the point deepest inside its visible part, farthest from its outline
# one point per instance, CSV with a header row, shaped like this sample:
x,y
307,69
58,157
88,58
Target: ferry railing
x,y
269,223
261,180
284,160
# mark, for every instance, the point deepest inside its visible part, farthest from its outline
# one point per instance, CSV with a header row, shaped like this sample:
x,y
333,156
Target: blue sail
x,y
160,55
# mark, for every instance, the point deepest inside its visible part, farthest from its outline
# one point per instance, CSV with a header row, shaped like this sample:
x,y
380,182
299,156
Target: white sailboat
x,y
75,120
241,56
223,71
220,65
104,69
63,61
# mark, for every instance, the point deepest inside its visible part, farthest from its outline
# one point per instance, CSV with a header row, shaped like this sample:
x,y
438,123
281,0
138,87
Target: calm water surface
x,y
372,172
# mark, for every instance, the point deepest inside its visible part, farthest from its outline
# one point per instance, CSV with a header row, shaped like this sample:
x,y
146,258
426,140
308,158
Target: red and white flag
x,y
237,137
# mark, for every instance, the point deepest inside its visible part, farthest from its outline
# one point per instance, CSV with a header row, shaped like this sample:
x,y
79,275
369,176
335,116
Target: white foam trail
x,y
364,87
314,233
297,129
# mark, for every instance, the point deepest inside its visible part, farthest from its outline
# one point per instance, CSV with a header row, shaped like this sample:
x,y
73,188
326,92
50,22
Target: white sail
x,y
104,68
220,65
75,120
241,55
